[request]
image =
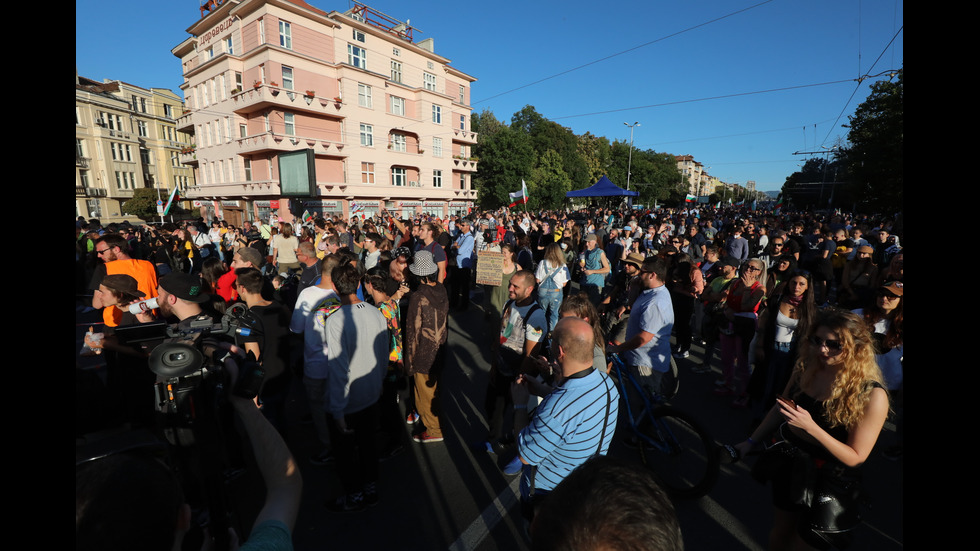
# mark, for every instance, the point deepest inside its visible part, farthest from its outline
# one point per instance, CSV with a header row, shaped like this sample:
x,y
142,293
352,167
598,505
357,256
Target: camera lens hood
x,y
175,360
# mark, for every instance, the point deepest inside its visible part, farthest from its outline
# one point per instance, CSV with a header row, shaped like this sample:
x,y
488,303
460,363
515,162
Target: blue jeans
x,y
550,301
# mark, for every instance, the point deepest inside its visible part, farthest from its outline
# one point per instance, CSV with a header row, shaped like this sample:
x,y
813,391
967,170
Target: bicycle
x,y
686,459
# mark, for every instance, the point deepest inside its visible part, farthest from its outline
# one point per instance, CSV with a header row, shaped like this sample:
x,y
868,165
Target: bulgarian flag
x,y
718,205
519,196
174,196
690,198
307,217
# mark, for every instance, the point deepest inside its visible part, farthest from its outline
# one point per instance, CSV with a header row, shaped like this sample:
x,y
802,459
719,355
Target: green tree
x,y
143,203
506,157
549,183
874,158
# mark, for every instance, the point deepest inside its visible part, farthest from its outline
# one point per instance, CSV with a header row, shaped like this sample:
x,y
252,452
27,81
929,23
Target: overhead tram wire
x,y
861,80
608,57
703,99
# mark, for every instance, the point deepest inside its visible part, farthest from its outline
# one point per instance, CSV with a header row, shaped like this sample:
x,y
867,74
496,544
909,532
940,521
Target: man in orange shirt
x,y
113,249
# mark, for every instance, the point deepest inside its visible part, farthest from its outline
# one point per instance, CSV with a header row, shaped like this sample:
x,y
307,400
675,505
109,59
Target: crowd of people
x,y
805,309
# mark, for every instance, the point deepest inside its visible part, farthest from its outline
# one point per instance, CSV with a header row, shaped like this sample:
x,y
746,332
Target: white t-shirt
x,y
310,324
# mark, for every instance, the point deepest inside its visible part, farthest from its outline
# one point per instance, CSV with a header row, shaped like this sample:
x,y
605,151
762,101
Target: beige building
x,y
691,173
293,108
125,139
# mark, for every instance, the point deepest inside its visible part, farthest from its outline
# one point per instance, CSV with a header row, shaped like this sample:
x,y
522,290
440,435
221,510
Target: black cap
x,y
185,287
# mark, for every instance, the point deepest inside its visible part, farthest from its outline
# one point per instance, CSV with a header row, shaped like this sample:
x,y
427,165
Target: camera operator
x,y
270,345
132,501
180,296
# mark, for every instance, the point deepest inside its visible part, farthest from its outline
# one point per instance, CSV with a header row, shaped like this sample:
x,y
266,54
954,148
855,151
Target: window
x,y
83,176
228,46
399,177
290,121
367,135
397,106
242,130
287,77
134,102
248,170
398,142
367,173
396,51
142,105
217,131
204,95
141,128
430,81
436,178
285,35
462,94
430,65
238,80
437,114
396,71
357,56
437,147
145,156
79,149
358,35
462,122
265,120
364,96
94,208
462,181
168,110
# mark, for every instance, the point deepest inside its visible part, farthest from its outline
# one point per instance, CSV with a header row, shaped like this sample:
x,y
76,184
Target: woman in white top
x,y
552,276
284,248
781,326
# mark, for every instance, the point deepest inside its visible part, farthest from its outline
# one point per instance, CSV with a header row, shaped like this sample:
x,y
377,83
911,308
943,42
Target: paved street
x,y
450,496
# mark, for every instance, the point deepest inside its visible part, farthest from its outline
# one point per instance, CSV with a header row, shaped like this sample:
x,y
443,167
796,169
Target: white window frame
x,y
285,35
367,135
436,114
356,56
287,77
142,129
289,123
229,46
242,130
462,94
367,173
364,96
437,178
399,177
429,81
397,106
437,147
462,122
358,35
399,142
396,71
248,170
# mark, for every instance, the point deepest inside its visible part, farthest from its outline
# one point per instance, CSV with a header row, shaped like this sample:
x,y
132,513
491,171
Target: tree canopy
x,y
554,160
874,158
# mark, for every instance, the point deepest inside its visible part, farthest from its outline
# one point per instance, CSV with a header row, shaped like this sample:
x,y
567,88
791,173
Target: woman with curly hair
x,y
825,424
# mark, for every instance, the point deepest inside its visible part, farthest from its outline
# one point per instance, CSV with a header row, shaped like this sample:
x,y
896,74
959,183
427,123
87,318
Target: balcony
x,y
81,162
185,124
464,164
266,96
462,136
188,156
273,142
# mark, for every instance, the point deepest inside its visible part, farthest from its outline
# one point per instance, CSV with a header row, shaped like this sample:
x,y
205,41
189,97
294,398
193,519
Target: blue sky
x,y
674,56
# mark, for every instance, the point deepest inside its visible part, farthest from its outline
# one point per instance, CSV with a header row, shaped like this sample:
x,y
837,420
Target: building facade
x,y
126,138
384,119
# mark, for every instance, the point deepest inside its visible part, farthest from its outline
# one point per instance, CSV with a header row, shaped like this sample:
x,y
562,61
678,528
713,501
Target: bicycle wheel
x,y
683,457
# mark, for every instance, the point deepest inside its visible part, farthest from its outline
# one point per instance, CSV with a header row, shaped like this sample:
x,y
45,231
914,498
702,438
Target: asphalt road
x,y
452,496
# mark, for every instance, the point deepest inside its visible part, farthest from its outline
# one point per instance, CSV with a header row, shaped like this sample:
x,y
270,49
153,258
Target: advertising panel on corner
x,y
297,174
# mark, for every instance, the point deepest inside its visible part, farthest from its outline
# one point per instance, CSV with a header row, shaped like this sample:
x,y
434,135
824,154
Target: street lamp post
x,y
629,165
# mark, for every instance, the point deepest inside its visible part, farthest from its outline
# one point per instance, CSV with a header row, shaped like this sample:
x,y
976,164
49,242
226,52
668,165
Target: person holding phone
x,y
822,429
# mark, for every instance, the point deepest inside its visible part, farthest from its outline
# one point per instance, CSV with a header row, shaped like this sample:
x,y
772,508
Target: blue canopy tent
x,y
603,188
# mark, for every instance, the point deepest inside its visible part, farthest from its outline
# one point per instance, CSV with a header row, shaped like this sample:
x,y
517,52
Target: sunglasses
x,y
887,294
103,251
833,345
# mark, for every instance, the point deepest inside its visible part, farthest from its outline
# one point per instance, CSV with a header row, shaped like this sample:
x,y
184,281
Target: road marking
x,y
735,527
480,528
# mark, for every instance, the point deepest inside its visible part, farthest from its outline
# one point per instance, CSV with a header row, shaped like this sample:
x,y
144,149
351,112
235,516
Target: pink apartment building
x,y
293,108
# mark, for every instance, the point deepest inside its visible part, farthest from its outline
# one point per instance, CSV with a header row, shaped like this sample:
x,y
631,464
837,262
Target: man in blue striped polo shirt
x,y
576,421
